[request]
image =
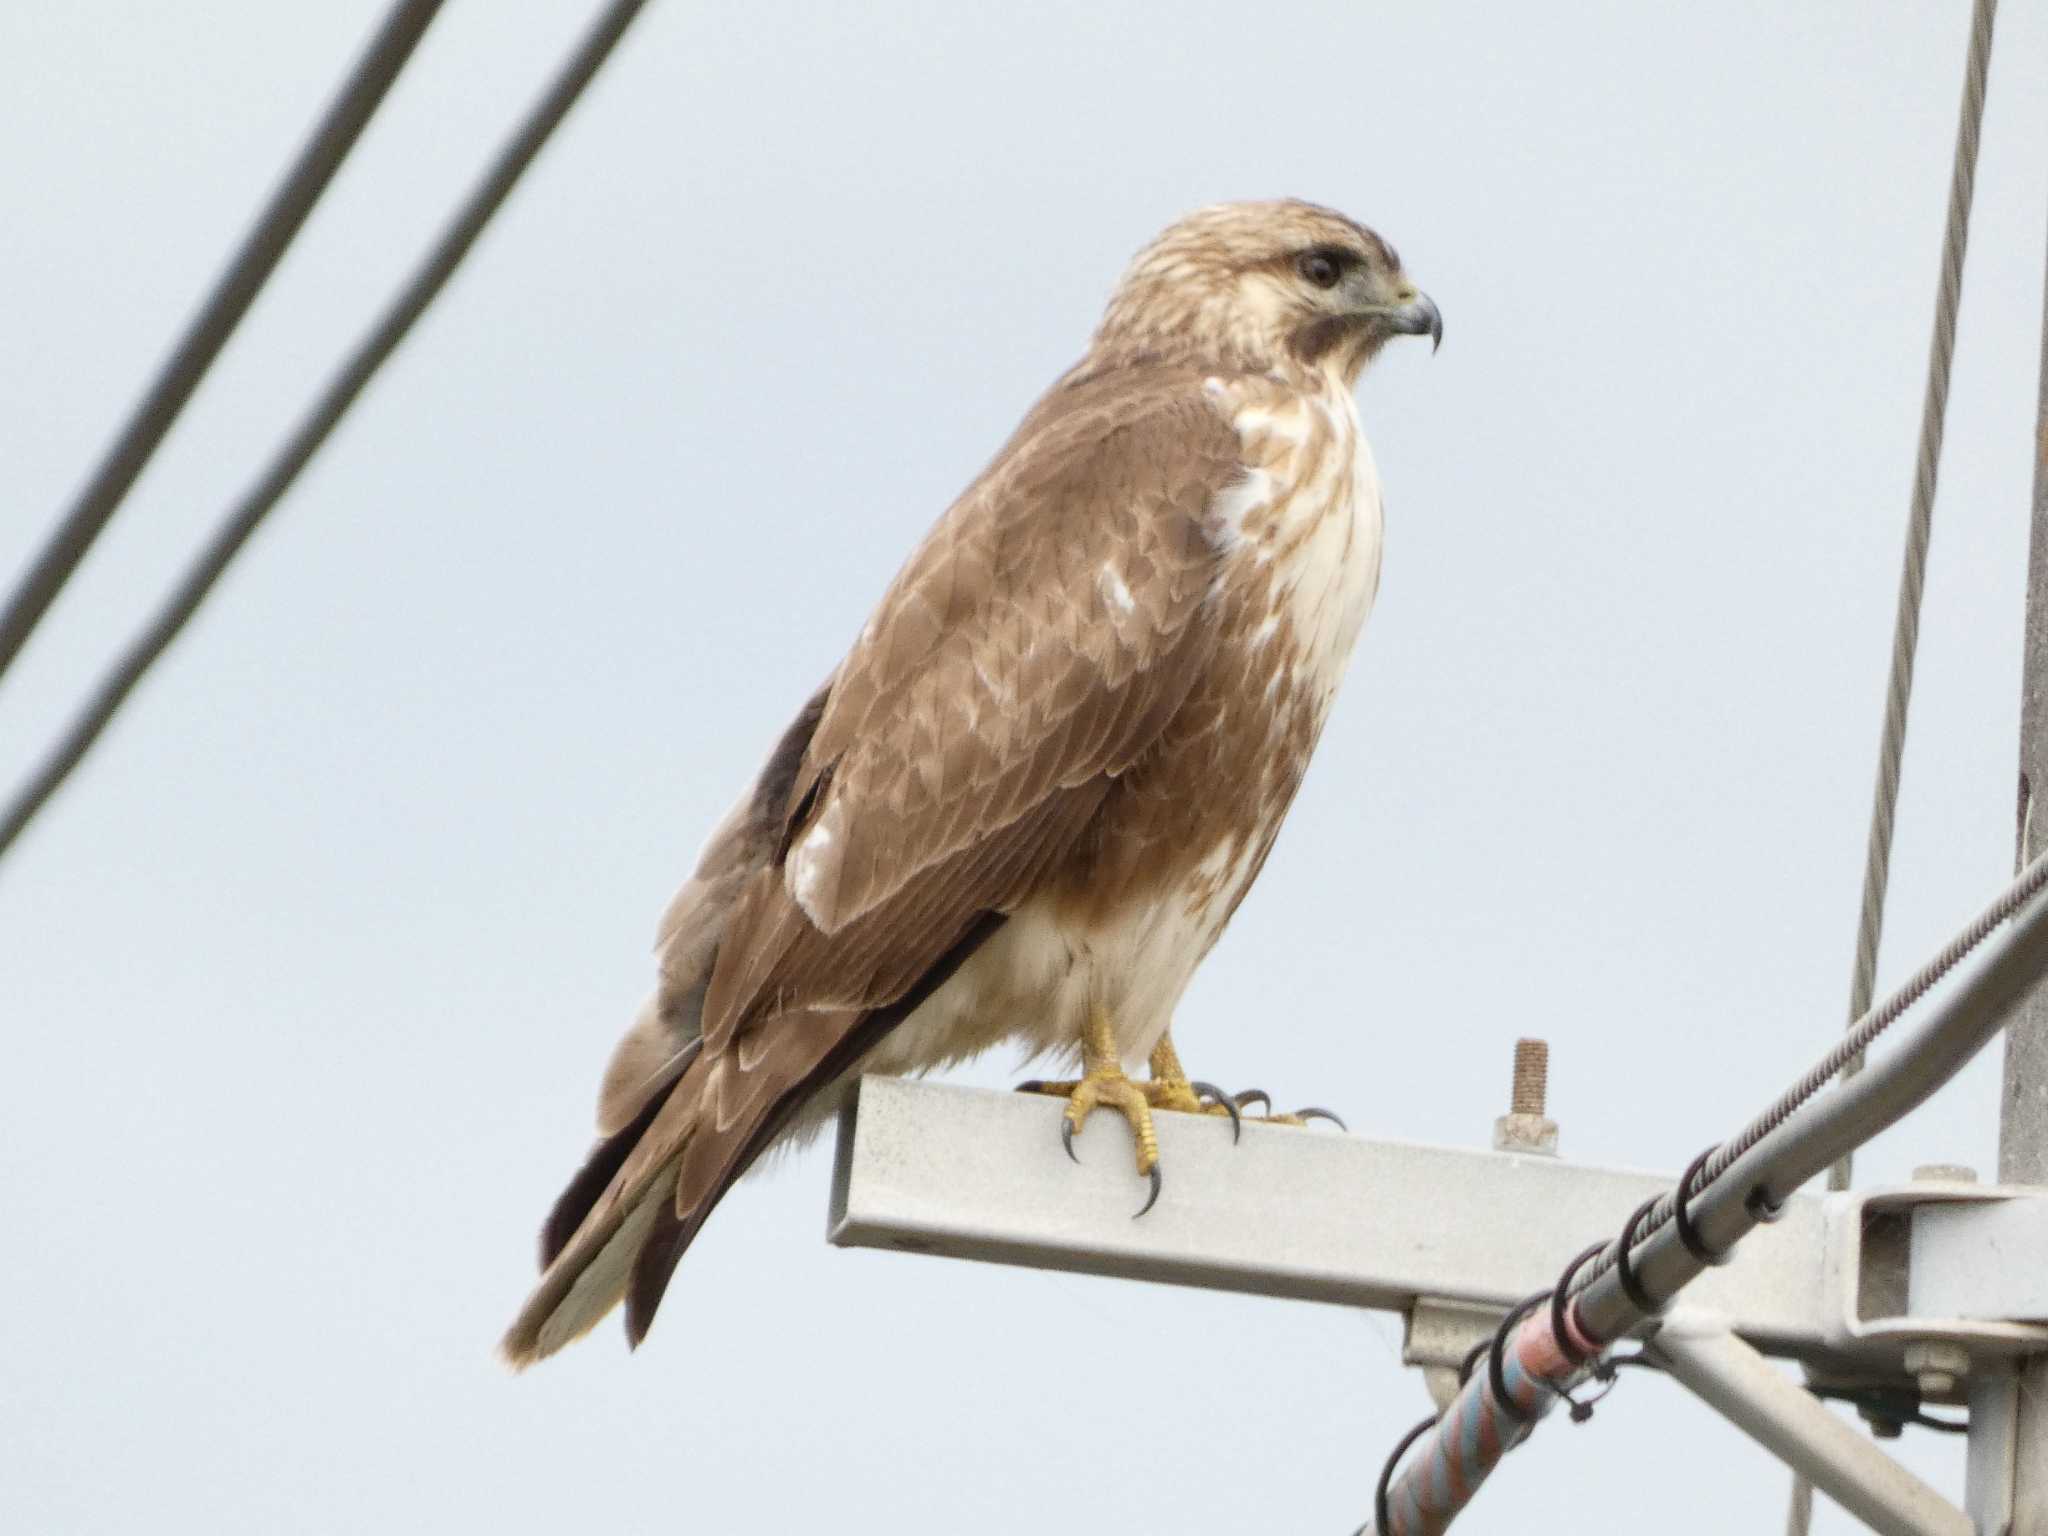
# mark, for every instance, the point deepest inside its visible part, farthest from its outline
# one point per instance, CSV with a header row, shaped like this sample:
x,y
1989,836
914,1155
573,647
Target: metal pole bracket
x,y
1949,1263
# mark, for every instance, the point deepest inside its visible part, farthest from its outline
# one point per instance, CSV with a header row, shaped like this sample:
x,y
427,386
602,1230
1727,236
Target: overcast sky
x,y
308,979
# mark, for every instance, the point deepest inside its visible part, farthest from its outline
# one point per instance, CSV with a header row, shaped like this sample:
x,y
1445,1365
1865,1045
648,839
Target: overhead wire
x,y
1912,586
209,329
313,428
1919,532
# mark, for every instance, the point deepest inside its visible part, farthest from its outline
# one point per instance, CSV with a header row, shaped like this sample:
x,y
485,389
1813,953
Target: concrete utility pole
x,y
2023,1121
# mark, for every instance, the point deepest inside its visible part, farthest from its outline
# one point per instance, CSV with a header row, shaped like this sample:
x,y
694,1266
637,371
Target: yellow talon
x,y
1103,1082
1171,1088
1110,1086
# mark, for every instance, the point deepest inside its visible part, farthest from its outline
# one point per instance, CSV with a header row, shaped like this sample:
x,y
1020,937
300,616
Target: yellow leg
x,y
1103,1082
1170,1088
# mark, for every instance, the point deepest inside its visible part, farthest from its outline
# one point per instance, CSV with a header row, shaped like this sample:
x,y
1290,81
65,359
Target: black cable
x,y
1493,1347
1472,1358
1688,1234
1606,1372
1639,1360
208,331
342,389
1382,1523
1624,1269
1946,1426
1901,1407
1560,1298
1496,1370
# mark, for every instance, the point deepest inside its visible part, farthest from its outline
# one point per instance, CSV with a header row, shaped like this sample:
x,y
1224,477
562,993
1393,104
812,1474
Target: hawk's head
x,y
1261,285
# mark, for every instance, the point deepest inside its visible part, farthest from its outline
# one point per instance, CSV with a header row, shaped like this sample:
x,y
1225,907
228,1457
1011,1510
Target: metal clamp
x,y
1945,1263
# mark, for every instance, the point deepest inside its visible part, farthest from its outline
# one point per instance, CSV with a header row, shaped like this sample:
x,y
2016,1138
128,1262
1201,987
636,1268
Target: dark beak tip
x,y
1420,317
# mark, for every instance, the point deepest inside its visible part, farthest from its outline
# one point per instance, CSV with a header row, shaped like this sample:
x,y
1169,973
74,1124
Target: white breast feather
x,y
1331,541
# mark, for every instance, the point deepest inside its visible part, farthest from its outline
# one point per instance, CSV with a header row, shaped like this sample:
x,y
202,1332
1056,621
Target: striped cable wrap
x,y
1477,1429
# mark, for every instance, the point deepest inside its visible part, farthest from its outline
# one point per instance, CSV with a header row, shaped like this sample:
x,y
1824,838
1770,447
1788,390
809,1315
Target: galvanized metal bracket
x,y
971,1173
1439,1335
1937,1263
1844,1282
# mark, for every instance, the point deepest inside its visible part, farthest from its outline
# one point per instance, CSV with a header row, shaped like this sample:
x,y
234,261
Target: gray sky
x,y
308,979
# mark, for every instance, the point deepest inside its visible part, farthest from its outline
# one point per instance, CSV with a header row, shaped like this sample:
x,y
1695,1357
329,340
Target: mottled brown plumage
x,y
1054,759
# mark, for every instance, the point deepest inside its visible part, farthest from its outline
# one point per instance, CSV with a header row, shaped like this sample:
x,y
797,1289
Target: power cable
x,y
1912,585
1919,530
313,428
219,314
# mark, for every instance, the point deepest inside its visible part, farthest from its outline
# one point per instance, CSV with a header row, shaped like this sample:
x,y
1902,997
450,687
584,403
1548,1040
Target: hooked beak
x,y
1418,317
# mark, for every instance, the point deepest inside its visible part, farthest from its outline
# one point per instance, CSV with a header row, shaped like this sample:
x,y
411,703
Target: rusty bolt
x,y
1532,1074
1525,1127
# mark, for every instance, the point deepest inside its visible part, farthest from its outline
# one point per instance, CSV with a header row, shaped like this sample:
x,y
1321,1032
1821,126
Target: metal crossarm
x,y
1850,1283
975,1174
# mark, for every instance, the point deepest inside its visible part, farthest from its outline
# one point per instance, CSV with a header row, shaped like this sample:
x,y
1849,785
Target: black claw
x,y
1330,1115
1212,1094
1153,1198
1033,1086
1244,1100
1067,1138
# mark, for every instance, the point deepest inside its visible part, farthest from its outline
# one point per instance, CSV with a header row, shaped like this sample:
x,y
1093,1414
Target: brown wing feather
x,y
677,1223
1032,648
1038,640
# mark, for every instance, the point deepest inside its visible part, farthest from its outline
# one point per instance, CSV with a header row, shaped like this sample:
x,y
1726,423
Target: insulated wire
x,y
313,428
235,290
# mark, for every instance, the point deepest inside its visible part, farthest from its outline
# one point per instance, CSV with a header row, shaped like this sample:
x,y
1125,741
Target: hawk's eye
x,y
1318,268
